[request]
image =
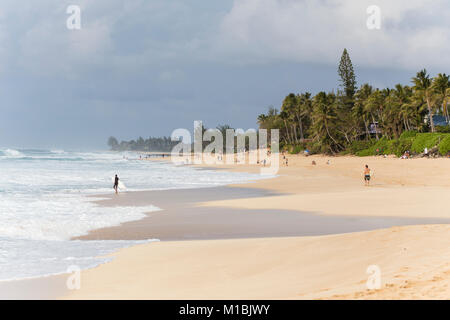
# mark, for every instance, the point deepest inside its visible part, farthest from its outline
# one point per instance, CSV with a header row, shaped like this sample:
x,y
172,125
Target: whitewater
x,y
44,203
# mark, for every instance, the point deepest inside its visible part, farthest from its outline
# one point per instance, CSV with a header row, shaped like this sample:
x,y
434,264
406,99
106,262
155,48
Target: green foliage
x,y
377,148
444,146
443,129
359,145
426,140
399,146
364,121
408,134
164,144
347,74
296,149
385,146
317,147
415,143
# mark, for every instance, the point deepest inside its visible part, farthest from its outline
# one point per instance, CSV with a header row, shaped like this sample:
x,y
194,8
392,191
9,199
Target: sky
x,y
146,67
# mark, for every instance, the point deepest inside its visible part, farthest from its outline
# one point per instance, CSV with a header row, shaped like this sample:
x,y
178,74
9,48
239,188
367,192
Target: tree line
x,y
165,144
160,144
330,122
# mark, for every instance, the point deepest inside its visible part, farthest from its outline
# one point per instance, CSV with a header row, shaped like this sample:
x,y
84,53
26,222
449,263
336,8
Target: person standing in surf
x,y
116,184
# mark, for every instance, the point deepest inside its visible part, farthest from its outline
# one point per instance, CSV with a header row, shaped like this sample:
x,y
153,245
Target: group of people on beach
x,y
367,174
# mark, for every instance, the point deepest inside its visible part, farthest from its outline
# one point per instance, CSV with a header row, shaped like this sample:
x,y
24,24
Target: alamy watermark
x,y
74,280
373,22
73,22
374,279
212,146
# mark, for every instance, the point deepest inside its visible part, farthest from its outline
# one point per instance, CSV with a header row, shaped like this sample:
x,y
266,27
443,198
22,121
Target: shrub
x,y
443,129
444,146
296,149
357,146
398,147
379,147
317,147
408,134
426,140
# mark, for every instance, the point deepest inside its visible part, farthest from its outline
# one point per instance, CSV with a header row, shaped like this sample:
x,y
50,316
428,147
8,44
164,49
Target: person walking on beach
x,y
366,175
116,184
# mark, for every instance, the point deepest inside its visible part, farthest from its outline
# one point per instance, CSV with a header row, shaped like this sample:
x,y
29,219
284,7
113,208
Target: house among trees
x,y
440,121
374,129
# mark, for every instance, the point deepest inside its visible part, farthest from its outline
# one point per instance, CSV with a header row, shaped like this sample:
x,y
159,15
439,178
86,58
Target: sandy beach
x,y
197,150
271,239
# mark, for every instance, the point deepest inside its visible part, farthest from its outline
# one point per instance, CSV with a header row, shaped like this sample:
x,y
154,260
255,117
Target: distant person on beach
x,y
116,184
366,175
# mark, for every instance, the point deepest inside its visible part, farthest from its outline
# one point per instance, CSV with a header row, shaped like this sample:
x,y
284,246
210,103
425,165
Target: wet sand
x,y
43,288
182,218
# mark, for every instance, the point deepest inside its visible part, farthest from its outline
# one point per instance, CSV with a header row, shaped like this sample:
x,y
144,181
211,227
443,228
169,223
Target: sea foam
x,y
43,204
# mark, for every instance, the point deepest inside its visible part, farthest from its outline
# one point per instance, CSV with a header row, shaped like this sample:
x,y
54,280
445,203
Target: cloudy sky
x,y
146,67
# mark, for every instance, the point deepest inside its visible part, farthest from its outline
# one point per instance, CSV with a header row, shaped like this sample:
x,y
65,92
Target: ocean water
x,y
43,204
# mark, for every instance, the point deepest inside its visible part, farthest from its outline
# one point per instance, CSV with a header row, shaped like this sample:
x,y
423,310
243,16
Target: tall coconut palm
x,y
423,86
303,112
324,117
403,96
289,107
441,86
358,112
395,103
285,117
374,107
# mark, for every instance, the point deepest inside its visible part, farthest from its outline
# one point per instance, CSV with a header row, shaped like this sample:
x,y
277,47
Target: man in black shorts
x,y
367,175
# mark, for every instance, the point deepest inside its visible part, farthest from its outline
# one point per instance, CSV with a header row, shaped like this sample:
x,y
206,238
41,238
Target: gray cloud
x,y
145,67
414,33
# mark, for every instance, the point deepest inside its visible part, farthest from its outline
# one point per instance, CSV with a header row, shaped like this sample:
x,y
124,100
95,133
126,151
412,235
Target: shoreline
x,y
229,202
30,288
235,268
203,214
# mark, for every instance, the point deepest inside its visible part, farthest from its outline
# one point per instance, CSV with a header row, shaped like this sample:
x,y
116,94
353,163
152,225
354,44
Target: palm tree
x,y
303,112
285,116
324,116
441,86
423,86
358,110
407,111
374,106
288,111
113,143
396,102
262,120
